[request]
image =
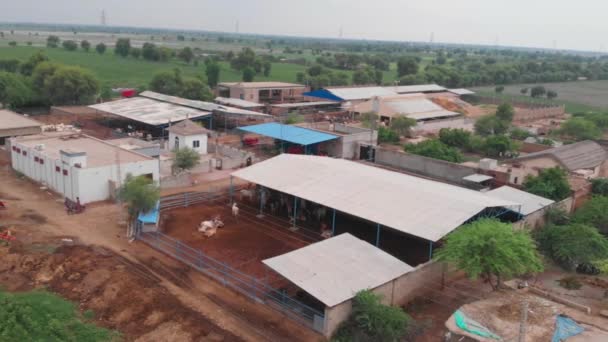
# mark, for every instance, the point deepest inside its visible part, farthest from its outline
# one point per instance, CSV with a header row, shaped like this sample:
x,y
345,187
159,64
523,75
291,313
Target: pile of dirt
x,y
538,311
123,295
448,104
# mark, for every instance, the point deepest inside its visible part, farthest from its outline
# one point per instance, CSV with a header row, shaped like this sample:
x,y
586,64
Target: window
x,y
41,161
65,172
196,144
18,150
14,148
176,145
515,180
24,153
57,169
36,159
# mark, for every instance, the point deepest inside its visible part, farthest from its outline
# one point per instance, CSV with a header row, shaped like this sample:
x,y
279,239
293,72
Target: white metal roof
x,y
306,104
417,88
477,178
334,270
237,102
529,202
461,91
11,120
202,105
412,205
360,93
149,111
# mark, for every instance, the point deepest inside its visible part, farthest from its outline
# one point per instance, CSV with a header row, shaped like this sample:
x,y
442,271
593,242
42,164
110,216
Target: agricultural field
x,y
577,96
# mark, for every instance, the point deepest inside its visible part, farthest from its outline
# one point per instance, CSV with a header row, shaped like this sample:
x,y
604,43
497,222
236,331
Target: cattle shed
x,y
14,125
307,139
388,203
334,270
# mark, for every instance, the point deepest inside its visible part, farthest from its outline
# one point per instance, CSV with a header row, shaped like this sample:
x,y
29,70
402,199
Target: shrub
x,y
387,135
455,137
594,213
550,183
600,186
435,149
573,244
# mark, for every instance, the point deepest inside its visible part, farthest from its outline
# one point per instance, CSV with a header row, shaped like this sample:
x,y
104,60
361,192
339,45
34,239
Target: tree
x,y
455,137
185,159
594,213
9,65
244,59
85,45
266,68
186,54
551,94
14,90
498,146
100,48
122,47
523,91
490,124
505,112
12,43
580,129
538,91
52,41
42,73
369,119
491,249
167,82
71,85
248,74
69,45
150,52
140,195
28,67
434,148
135,52
195,89
519,133
387,135
181,38
403,125
550,183
499,89
573,244
599,186
212,70
407,66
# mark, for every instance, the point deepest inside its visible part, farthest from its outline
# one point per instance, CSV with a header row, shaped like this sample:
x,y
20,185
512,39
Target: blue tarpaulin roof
x,y
323,94
151,216
293,134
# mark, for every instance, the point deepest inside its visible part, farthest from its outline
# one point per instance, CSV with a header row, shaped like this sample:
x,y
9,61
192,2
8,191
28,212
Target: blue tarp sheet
x,y
565,327
323,94
151,216
292,134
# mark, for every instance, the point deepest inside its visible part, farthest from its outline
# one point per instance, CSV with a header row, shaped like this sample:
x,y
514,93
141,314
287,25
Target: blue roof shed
x,y
293,134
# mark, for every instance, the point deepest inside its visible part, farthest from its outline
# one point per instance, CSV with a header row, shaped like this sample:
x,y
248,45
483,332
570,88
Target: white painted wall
x,y
188,140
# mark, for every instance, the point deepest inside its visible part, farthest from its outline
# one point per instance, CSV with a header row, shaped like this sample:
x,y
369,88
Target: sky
x,y
579,25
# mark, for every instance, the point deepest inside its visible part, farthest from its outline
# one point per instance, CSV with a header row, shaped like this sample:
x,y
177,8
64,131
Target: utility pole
x,y
523,322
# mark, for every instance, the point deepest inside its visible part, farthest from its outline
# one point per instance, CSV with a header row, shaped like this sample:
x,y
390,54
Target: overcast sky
x,y
536,23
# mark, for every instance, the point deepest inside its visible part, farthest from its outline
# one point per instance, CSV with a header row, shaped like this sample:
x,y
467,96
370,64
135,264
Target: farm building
x,y
305,107
414,106
402,214
348,266
78,166
262,92
238,103
358,94
188,134
533,207
14,125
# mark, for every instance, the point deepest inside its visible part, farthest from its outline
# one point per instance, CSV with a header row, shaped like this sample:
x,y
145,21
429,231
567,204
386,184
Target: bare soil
x,y
89,123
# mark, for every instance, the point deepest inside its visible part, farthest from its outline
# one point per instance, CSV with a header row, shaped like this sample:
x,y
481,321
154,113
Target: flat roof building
x,y
14,125
262,92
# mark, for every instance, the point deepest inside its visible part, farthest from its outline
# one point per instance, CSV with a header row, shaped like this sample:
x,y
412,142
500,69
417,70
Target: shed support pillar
x,y
378,235
430,250
262,199
231,190
295,213
333,224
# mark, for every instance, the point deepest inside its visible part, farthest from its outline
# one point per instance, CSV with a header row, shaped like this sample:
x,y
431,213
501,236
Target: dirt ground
x,y
151,295
242,243
88,122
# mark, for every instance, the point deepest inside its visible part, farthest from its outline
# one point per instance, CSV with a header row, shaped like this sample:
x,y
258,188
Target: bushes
x,y
371,320
594,213
455,137
435,149
550,183
572,244
599,186
387,135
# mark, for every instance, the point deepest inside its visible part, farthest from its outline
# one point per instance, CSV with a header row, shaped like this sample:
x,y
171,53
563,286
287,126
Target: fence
x,y
247,285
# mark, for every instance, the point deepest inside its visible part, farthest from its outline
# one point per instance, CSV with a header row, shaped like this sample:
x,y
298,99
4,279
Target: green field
x,y
43,316
578,96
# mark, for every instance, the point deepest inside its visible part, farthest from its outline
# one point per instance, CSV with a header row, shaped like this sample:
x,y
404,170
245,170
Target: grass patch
x,y
43,316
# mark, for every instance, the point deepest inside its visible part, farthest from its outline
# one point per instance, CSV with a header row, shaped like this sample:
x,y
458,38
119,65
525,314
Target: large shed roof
x,y
202,105
412,205
334,270
581,155
417,88
415,106
256,85
149,111
238,102
293,134
12,120
529,202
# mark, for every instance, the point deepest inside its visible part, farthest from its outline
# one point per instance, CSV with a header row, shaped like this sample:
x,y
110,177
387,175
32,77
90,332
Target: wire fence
x,y
257,289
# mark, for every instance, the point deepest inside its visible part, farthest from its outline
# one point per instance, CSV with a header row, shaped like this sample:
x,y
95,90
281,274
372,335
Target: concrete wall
x,y
17,132
188,141
536,219
532,114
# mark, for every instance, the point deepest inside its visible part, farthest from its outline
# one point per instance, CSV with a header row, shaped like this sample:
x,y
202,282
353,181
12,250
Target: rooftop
x,y
415,106
149,111
412,205
529,202
12,120
187,127
348,266
262,84
417,88
294,134
364,93
99,153
581,155
201,105
238,102
461,91
306,104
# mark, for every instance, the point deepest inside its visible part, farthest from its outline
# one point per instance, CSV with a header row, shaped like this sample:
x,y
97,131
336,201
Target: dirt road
x,y
36,214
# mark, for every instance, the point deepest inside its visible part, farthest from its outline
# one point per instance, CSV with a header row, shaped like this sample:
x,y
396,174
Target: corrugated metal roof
x,y
202,105
334,270
581,155
461,91
529,202
261,84
306,104
238,102
417,88
149,111
12,120
415,106
477,178
293,134
360,93
409,204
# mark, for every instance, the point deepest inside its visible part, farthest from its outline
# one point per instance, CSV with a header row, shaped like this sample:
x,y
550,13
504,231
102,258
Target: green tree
x,y
407,66
212,70
52,41
186,54
167,82
550,183
455,137
185,159
14,90
505,112
551,94
28,67
12,43
122,47
499,89
572,244
100,48
267,67
387,135
491,249
403,125
140,195
244,59
71,85
538,91
519,133
135,52
9,65
599,186
434,148
195,89
490,124
70,45
594,213
498,146
85,45
42,73
580,129
248,74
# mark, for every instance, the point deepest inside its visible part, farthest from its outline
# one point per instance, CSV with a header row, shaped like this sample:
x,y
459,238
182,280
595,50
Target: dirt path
x,y
103,225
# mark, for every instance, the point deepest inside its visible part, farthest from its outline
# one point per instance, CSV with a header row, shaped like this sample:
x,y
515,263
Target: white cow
x,y
212,224
235,210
